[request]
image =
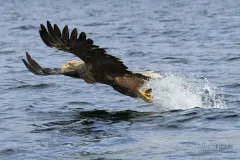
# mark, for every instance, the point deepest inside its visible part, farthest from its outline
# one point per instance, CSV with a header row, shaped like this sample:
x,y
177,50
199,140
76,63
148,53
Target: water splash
x,y
179,92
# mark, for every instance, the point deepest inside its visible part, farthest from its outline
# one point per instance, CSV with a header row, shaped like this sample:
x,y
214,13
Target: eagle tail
x,y
150,74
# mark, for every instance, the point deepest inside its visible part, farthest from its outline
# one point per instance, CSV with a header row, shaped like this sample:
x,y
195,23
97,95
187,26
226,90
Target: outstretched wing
x,y
96,58
36,69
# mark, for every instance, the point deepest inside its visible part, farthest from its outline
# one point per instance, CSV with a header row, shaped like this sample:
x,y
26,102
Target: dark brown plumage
x,y
97,65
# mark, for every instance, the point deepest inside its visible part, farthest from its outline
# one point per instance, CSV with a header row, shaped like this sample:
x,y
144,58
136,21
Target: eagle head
x,y
72,65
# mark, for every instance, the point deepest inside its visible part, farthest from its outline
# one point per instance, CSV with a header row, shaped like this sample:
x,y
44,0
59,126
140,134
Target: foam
x,y
178,92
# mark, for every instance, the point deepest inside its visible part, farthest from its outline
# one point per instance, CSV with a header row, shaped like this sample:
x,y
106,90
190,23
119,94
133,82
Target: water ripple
x,y
35,86
29,27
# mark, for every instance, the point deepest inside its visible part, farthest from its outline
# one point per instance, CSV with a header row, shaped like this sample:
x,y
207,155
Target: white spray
x,y
178,92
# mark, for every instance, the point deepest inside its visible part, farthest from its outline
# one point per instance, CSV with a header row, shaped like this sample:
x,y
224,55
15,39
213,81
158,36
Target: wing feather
x,y
47,36
65,35
30,68
36,69
57,31
73,37
44,39
54,34
95,57
33,62
82,36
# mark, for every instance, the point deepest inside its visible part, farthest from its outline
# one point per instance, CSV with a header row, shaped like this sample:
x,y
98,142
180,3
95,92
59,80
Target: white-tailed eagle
x,y
96,66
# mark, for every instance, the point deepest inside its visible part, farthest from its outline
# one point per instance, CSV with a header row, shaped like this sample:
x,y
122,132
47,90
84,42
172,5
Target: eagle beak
x,y
145,94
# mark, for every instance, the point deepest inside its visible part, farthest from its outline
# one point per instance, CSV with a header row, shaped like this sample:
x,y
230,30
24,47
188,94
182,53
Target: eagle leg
x,y
145,94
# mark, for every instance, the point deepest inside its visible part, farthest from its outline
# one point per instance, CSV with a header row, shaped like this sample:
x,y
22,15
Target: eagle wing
x,y
36,69
96,58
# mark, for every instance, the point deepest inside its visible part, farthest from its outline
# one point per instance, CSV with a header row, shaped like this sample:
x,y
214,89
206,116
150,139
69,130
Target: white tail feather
x,y
151,74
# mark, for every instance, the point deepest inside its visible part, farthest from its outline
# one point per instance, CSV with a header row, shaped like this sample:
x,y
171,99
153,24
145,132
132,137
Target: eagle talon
x,y
145,94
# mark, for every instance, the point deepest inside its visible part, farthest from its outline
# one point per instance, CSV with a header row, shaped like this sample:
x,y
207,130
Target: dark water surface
x,y
58,117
